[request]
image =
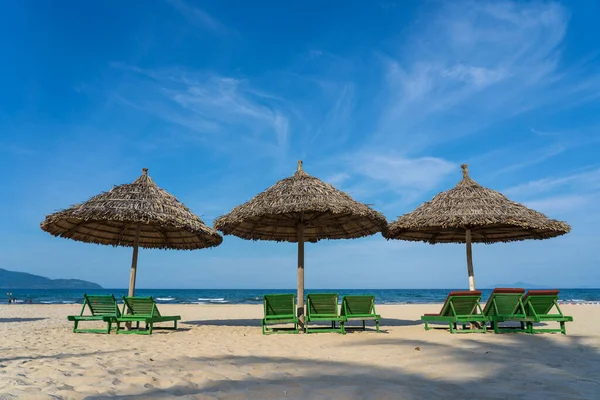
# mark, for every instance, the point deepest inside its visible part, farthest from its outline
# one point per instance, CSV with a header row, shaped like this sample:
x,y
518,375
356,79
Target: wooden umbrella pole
x,y
473,325
301,274
134,259
470,261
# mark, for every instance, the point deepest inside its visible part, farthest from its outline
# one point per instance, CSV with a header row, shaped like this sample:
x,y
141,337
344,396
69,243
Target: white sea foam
x,y
216,299
165,298
210,301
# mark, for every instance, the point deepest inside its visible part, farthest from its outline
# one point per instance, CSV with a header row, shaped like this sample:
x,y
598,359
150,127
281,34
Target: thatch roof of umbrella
x,y
301,209
489,215
325,212
112,218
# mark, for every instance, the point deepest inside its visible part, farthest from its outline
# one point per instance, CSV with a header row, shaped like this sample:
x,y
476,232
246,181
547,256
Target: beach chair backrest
x,y
461,303
504,301
325,304
540,301
140,306
358,304
279,304
101,305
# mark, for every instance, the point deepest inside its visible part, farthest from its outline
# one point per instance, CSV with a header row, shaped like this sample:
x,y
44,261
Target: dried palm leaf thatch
x,y
301,199
488,214
301,209
113,217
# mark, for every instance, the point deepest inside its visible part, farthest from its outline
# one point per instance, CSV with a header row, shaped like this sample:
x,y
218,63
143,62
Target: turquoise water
x,y
254,296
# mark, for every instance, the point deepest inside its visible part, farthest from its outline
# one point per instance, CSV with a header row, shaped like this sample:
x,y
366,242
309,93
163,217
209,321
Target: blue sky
x,y
383,99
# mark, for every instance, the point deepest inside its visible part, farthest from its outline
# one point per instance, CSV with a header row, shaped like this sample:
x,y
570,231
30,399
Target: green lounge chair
x,y
102,308
538,304
359,307
323,307
459,307
506,305
143,309
279,309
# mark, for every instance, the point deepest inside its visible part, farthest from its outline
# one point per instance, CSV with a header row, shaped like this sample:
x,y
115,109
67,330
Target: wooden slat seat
x,y
460,307
101,308
279,309
359,307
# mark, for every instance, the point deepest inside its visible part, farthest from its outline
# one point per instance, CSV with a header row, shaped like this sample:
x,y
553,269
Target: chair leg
x,y
377,326
364,325
75,325
426,325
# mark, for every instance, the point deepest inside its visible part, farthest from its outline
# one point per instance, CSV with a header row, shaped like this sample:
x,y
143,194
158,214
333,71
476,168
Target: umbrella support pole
x,y
134,259
474,325
470,261
301,275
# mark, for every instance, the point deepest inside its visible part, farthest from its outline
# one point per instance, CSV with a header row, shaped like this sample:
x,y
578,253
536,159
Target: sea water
x,y
255,296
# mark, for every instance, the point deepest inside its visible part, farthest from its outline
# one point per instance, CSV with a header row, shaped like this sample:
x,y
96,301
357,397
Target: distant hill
x,y
23,280
517,285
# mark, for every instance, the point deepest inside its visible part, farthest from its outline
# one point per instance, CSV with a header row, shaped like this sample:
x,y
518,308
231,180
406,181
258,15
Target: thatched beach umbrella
x,y
470,213
138,214
301,209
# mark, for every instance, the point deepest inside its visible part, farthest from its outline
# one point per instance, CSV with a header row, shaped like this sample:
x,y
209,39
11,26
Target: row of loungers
x,y
504,305
135,309
320,307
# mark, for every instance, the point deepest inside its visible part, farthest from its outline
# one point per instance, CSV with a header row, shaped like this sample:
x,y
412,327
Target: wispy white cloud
x,y
337,121
537,157
561,204
574,193
390,179
473,65
198,16
214,107
588,181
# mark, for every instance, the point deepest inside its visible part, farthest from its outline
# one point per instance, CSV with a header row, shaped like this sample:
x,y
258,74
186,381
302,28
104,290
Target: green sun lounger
x,y
504,305
279,309
460,307
538,304
359,307
143,309
323,307
102,308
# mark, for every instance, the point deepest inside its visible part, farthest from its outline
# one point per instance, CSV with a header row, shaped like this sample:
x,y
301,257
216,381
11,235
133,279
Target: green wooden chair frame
x,y
359,307
460,307
323,307
143,309
279,309
102,308
505,305
538,304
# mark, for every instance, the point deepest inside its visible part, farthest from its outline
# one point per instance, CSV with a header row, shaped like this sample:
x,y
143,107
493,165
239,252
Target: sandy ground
x,y
220,353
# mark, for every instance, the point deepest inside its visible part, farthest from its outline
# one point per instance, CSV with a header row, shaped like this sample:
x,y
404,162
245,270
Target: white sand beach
x,y
220,353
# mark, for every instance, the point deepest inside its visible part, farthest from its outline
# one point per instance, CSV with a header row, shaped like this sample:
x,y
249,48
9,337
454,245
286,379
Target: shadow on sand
x,y
225,322
513,369
16,319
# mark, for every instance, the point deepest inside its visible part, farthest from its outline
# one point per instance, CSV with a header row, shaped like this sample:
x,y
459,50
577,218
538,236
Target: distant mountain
x,y
23,280
517,285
